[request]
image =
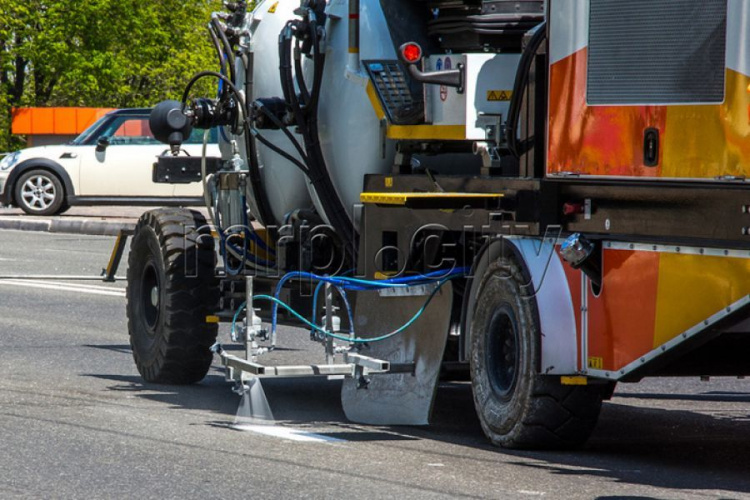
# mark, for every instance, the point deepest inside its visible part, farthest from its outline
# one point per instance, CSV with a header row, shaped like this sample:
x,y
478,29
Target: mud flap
x,y
401,398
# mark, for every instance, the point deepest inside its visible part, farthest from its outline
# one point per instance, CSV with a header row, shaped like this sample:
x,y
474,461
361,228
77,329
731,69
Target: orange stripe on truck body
x,y
621,319
649,298
700,141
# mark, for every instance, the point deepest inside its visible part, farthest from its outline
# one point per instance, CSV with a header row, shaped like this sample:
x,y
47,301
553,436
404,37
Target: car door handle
x,y
68,156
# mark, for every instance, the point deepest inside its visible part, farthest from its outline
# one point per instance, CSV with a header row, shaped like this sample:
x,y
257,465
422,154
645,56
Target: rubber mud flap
x,y
400,398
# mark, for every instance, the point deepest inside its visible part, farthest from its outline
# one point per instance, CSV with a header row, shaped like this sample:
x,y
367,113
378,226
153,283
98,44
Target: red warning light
x,y
411,52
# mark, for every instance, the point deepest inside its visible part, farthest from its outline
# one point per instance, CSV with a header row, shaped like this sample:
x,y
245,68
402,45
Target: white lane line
x,y
82,285
288,433
86,286
77,285
112,292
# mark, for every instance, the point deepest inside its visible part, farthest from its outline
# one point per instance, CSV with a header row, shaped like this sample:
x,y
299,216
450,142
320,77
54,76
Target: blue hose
x,y
342,294
315,327
252,258
362,285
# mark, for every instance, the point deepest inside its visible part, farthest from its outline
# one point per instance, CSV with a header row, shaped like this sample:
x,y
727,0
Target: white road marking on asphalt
x,y
95,290
529,492
79,285
82,285
289,433
435,465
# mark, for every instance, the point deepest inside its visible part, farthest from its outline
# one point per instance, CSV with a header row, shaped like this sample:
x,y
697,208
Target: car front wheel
x,y
39,192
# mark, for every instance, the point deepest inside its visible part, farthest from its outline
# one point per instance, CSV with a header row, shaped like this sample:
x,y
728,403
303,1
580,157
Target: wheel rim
x,y
150,297
38,192
502,352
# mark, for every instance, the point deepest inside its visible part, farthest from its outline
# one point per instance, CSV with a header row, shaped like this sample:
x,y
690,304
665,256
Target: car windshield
x,y
131,129
87,136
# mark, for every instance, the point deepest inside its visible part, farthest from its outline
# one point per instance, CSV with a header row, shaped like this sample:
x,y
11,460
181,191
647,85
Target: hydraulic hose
x,y
519,88
254,172
285,129
307,120
357,284
344,299
220,52
351,339
301,84
265,214
227,46
280,152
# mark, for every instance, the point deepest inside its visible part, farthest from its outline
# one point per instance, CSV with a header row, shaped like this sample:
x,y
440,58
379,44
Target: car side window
x,y
196,136
130,130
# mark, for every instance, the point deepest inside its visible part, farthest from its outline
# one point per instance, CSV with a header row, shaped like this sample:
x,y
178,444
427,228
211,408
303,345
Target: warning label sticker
x,y
499,95
596,363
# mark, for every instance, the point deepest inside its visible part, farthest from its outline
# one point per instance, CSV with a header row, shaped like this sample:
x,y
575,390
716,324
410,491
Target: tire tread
x,y
184,356
542,413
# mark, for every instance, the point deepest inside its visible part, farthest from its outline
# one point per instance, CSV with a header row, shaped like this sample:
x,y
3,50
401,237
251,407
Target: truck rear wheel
x,y
171,289
518,407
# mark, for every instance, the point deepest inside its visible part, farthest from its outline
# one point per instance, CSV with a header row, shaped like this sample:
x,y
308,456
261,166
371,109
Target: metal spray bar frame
x,y
354,366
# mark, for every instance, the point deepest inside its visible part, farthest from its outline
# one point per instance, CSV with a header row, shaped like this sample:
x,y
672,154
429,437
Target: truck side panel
x,y
650,298
695,140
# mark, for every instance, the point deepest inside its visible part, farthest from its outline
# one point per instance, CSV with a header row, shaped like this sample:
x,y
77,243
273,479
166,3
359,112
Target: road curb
x,y
80,226
25,225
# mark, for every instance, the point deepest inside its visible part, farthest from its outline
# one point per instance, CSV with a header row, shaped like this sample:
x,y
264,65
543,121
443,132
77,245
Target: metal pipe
x,y
249,327
372,364
329,323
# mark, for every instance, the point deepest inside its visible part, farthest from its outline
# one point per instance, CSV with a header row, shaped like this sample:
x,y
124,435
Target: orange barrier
x,y
54,121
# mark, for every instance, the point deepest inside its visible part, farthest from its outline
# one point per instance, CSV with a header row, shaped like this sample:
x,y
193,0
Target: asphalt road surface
x,y
76,420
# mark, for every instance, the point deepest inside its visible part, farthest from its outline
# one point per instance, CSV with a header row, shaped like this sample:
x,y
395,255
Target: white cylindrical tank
x,y
350,131
285,185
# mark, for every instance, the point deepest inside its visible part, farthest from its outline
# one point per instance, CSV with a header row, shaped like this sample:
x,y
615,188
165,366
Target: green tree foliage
x,y
100,53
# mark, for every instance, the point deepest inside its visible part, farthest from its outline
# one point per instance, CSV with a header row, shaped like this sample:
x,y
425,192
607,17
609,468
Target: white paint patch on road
x,y
65,287
533,493
84,285
288,433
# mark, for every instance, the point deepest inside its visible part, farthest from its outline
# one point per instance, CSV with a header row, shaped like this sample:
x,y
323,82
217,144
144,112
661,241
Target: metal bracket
x,y
108,273
448,77
354,366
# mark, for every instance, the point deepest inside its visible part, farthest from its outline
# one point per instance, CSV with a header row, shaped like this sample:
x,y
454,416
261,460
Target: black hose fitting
x,y
210,113
269,113
170,124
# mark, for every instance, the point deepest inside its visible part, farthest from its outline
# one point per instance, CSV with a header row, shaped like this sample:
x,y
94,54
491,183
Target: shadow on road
x,y
714,396
666,448
212,394
121,348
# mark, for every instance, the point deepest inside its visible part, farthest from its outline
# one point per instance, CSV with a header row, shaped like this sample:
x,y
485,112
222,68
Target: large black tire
x,y
518,407
171,289
39,192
